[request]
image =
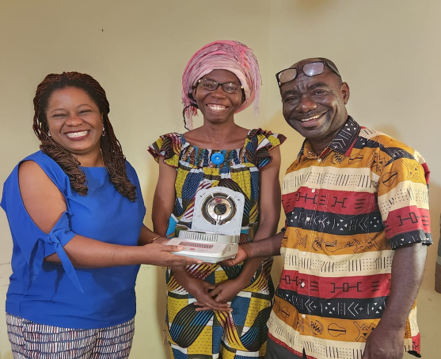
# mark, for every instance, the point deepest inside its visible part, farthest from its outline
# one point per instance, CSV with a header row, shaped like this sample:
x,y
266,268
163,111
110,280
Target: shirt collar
x,y
342,142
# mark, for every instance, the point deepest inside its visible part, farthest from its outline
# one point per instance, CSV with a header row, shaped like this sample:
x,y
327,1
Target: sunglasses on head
x,y
310,69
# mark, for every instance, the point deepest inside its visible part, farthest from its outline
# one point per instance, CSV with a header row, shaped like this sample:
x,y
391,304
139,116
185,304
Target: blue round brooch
x,y
217,158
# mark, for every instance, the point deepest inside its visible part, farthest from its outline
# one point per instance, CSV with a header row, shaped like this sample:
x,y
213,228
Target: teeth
x,y
76,134
216,107
311,118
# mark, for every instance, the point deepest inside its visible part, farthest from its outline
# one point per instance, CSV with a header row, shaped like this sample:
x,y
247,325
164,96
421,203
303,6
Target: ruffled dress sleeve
x,y
260,143
169,147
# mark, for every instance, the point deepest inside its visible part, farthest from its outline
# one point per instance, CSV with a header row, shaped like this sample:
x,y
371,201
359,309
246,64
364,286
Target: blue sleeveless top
x,y
59,294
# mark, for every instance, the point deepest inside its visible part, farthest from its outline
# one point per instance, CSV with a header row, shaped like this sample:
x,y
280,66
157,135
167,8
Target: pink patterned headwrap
x,y
227,55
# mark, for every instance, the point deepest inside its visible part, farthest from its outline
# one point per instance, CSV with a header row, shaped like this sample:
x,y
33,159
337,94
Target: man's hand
x,y
257,249
387,340
241,256
384,343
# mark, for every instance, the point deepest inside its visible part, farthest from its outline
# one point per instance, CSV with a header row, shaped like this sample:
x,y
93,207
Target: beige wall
x,y
137,49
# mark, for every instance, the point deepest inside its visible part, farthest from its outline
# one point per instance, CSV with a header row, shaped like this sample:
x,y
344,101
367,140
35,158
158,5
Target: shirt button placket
x,y
307,255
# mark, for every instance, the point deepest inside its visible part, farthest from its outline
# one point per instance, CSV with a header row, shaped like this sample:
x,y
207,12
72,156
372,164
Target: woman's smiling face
x,y
74,121
218,106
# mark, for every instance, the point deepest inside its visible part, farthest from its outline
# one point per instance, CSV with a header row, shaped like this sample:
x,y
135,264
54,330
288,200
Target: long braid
x,y
111,148
114,161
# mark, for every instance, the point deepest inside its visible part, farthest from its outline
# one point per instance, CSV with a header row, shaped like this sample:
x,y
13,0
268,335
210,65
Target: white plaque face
x,y
216,226
218,210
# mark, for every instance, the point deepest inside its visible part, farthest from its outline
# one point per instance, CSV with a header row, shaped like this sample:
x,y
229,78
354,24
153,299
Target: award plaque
x,y
215,232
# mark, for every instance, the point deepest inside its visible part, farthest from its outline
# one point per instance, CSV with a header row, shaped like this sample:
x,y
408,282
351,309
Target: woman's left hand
x,y
225,291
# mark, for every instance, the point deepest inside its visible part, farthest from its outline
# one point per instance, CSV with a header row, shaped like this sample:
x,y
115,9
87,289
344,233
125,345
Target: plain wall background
x,y
387,51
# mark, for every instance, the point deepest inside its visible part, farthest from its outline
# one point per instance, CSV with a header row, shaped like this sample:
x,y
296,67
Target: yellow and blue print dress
x,y
213,334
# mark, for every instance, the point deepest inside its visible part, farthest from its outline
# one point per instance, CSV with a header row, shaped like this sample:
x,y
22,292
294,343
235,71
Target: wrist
x,y
130,255
153,238
392,325
248,249
160,240
181,275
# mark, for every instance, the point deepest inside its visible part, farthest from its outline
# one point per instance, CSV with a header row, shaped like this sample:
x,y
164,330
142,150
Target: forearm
x,y
249,268
164,198
85,252
161,213
181,275
407,274
267,228
264,248
160,224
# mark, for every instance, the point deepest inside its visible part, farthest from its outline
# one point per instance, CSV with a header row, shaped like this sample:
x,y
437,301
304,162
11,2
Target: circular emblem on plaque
x,y
218,208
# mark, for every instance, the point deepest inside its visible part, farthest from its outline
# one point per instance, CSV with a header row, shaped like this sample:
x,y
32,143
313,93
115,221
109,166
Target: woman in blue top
x,y
75,211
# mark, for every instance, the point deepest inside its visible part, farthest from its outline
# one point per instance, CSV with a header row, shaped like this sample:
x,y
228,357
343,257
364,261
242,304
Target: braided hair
x,y
111,149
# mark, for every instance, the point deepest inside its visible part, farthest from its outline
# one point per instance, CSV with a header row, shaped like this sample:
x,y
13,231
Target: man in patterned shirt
x,y
357,226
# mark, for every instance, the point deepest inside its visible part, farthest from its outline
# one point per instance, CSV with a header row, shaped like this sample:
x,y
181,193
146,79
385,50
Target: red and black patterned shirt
x,y
346,211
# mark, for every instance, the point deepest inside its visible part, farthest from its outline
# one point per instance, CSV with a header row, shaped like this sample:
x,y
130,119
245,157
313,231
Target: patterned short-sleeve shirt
x,y
346,211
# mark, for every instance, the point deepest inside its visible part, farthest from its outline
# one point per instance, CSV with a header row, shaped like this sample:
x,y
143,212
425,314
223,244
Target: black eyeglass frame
x,y
220,84
328,65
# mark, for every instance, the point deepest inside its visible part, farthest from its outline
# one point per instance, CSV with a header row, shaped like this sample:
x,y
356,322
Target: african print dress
x,y
213,334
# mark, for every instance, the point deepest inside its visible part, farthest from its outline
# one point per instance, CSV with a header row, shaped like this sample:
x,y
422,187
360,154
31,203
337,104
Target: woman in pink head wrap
x,y
215,311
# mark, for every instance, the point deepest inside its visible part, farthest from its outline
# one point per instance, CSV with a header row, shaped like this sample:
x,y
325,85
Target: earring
x,y
49,134
104,131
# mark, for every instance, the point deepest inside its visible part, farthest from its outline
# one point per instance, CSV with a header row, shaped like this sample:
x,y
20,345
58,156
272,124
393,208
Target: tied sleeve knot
x,y
57,239
52,239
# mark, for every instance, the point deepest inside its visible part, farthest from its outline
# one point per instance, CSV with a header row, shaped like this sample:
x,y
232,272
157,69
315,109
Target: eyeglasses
x,y
228,87
310,69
